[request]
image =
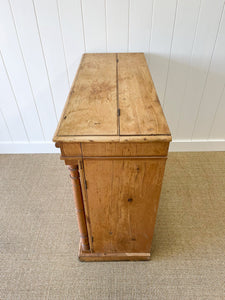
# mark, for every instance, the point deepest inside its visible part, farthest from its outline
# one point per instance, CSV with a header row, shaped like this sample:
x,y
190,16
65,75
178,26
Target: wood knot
x,y
130,200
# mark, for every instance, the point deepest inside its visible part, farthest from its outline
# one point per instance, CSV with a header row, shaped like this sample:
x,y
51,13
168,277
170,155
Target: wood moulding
x,y
92,257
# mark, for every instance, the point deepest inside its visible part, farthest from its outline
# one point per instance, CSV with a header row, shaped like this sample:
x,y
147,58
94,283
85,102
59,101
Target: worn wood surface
x,y
71,149
92,105
88,257
125,149
123,199
114,138
114,149
75,179
114,129
86,207
112,99
141,112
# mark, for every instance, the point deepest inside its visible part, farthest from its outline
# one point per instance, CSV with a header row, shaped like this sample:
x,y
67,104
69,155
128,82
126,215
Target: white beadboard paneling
x,y
218,125
72,30
213,88
164,13
50,32
140,17
4,131
117,14
42,42
9,107
17,73
201,56
28,35
181,51
94,21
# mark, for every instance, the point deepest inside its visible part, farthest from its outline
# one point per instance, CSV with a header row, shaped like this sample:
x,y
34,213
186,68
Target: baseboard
x,y
49,147
197,145
27,147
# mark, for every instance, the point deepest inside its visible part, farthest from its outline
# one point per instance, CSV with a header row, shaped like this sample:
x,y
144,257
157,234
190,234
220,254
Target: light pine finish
x,y
85,202
123,200
75,178
87,256
125,149
113,98
116,138
141,112
114,130
157,148
92,98
71,149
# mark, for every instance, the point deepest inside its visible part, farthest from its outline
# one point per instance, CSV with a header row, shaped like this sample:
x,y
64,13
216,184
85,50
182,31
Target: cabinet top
x,y
112,99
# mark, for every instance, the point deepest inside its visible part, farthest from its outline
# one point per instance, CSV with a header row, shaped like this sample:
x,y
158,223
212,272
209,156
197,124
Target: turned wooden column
x,y
74,175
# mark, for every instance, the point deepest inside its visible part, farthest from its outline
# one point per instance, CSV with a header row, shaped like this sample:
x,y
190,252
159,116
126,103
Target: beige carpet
x,y
39,236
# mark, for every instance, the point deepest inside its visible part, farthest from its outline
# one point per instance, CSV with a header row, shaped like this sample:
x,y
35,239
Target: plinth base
x,y
91,256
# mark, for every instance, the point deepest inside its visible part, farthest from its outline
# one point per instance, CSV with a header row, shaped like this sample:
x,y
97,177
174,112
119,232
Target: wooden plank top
x,y
112,98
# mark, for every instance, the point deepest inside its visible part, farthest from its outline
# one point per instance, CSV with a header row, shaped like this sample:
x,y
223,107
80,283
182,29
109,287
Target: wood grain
x,y
116,138
125,149
141,112
113,127
71,149
86,207
75,179
113,99
90,257
92,105
123,199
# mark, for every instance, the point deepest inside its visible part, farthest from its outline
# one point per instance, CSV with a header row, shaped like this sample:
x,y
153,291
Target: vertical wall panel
x,y
4,132
117,14
49,26
140,25
28,35
42,42
72,30
9,107
164,13
17,72
179,65
94,25
213,88
218,126
202,52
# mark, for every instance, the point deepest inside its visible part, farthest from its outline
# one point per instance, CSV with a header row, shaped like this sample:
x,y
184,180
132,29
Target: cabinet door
x,y
122,197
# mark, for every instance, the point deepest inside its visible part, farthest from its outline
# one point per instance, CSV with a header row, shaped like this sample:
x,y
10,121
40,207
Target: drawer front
x,y
125,149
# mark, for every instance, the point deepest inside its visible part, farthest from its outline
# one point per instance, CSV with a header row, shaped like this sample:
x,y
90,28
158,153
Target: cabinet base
x,y
91,256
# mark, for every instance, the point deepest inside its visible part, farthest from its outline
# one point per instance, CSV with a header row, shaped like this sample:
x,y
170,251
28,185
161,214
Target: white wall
x,y
41,43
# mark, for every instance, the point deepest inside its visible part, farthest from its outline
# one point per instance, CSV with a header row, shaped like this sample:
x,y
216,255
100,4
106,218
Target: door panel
x,y
122,197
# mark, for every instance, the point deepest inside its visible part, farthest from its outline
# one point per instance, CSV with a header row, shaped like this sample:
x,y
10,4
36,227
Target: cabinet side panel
x,y
123,199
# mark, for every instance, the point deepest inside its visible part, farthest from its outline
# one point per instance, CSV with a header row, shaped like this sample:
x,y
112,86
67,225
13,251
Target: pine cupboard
x,y
114,138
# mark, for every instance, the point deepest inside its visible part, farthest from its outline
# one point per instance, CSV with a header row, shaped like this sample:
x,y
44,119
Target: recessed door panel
x,y
122,196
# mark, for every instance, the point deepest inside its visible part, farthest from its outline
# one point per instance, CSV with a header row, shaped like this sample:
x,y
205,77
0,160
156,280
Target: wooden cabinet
x,y
114,138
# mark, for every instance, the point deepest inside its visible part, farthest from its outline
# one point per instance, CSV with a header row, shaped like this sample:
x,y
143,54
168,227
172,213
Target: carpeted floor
x,y
39,236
